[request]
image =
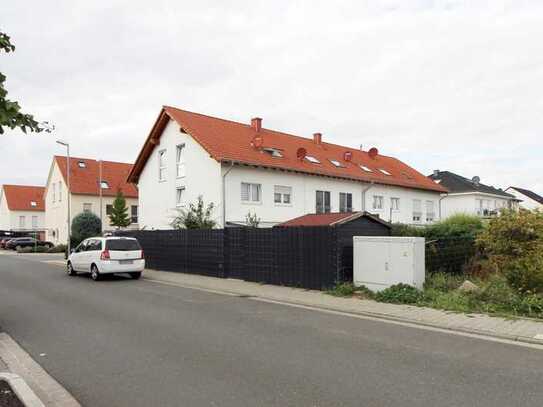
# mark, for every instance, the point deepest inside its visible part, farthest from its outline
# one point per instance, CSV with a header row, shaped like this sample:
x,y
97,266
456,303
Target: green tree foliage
x,y
119,214
456,226
197,216
10,111
85,225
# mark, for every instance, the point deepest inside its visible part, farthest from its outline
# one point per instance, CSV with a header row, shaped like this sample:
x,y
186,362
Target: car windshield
x,y
123,245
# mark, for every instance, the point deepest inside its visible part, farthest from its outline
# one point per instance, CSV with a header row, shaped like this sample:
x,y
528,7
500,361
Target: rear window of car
x,y
123,245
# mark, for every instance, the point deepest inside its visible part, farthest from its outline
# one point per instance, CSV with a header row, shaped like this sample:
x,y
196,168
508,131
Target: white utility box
x,y
379,262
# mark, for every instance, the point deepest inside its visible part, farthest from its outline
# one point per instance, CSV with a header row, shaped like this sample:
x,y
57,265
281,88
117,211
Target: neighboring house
x,y
470,196
22,208
529,199
85,186
243,168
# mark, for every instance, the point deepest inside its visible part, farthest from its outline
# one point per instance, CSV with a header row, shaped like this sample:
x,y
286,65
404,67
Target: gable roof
x,y
529,194
457,184
85,180
329,219
20,197
229,141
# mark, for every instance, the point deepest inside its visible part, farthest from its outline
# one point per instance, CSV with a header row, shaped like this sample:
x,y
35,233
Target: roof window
x,y
312,159
364,168
274,152
104,185
33,203
337,163
82,164
384,171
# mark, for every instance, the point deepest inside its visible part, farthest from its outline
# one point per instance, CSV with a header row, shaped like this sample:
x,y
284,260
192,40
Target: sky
x,y
443,84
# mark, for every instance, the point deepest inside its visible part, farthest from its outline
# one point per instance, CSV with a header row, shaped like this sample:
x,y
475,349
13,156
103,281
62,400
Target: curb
x,y
377,315
22,390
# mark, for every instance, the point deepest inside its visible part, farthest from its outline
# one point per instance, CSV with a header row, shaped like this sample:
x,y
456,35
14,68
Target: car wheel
x,y
70,270
95,274
135,276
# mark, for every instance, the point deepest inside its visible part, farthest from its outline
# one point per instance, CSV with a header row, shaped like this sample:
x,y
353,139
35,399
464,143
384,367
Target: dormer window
x,y
33,203
337,163
104,185
385,171
274,152
312,159
82,164
364,168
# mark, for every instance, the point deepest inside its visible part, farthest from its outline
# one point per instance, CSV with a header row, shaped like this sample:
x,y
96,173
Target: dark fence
x,y
449,255
301,257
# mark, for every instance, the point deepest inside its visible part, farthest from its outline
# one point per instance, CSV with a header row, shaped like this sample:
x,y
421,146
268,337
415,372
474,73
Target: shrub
x,y
529,305
32,249
526,273
456,226
443,282
85,225
27,249
399,294
401,229
342,290
61,248
197,216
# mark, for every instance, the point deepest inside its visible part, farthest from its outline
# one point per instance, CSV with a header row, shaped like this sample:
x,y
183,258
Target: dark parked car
x,y
14,244
4,240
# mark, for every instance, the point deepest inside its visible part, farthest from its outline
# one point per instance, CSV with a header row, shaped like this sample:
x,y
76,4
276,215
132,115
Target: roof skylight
x,y
274,152
364,168
312,159
33,203
384,171
104,185
337,163
81,164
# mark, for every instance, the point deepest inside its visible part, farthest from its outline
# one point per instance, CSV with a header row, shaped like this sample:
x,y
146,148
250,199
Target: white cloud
x,y
452,85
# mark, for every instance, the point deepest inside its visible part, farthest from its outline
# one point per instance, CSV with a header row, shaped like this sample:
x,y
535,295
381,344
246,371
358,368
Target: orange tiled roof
x,y
20,197
84,181
229,141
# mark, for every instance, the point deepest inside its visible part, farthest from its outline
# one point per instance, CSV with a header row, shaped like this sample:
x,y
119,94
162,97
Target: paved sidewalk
x,y
523,330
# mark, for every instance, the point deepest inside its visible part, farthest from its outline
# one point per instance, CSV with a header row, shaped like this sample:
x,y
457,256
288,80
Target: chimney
x,y
317,138
256,124
436,173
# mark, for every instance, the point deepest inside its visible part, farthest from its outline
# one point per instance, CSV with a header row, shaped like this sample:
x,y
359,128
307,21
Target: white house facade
x,y
470,196
527,199
84,194
243,168
22,208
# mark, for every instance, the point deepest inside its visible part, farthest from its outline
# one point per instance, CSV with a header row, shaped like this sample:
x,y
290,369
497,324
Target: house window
x,y
104,185
34,222
274,152
345,202
22,222
417,210
82,164
87,207
250,192
59,191
162,165
364,168
378,202
312,159
395,204
384,171
430,212
54,192
33,203
179,195
134,213
109,209
180,160
282,195
337,163
322,202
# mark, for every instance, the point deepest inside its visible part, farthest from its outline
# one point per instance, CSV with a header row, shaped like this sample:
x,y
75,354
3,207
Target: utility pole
x,y
67,145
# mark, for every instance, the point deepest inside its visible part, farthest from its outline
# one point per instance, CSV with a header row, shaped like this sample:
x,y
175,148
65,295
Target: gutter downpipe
x,y
223,192
364,195
440,199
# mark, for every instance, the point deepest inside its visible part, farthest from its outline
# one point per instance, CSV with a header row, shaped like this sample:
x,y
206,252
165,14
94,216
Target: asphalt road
x,y
136,343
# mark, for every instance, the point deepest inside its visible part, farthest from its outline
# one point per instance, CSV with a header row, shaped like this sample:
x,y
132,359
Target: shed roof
x,y
329,219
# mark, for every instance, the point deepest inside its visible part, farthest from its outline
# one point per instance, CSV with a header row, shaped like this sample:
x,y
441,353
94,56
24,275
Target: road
x,y
122,342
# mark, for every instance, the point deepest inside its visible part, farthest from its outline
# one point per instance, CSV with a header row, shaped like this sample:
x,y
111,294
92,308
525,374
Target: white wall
x,y
9,220
303,198
468,203
5,223
157,199
527,202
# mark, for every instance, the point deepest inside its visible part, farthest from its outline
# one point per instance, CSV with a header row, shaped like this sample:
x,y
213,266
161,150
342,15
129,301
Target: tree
x,y
252,220
10,114
85,225
197,216
119,213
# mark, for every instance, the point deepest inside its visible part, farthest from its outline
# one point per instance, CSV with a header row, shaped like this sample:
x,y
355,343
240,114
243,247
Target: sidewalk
x,y
522,330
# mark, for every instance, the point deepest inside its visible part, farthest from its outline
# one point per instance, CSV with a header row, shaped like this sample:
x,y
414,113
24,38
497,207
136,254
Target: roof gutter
x,y
223,193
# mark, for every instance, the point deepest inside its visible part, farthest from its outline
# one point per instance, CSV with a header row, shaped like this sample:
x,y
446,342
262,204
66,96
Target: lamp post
x,y
67,145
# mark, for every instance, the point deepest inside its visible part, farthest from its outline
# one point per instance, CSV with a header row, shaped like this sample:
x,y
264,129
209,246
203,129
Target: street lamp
x,y
67,145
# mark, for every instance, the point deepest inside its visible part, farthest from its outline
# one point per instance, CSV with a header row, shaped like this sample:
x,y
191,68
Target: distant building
x,y
470,196
529,199
22,208
85,186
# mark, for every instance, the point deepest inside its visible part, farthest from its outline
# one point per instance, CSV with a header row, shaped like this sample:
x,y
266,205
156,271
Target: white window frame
x,y
430,215
394,204
179,195
134,219
325,208
282,191
378,203
346,207
22,222
417,214
60,191
251,187
162,165
180,160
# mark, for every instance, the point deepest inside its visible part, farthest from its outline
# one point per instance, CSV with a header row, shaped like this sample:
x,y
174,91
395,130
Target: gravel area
x,y
8,398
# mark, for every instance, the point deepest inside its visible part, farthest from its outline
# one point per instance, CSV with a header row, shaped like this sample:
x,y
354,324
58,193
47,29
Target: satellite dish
x,y
301,153
373,152
257,142
347,156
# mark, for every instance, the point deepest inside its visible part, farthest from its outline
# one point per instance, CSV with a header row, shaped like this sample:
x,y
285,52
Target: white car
x,y
107,255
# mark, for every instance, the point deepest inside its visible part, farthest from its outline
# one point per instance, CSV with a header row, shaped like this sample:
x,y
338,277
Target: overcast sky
x,y
454,85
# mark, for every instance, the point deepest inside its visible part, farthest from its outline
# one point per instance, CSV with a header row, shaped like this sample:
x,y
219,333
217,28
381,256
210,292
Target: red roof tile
x,y
228,141
84,181
327,219
20,197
